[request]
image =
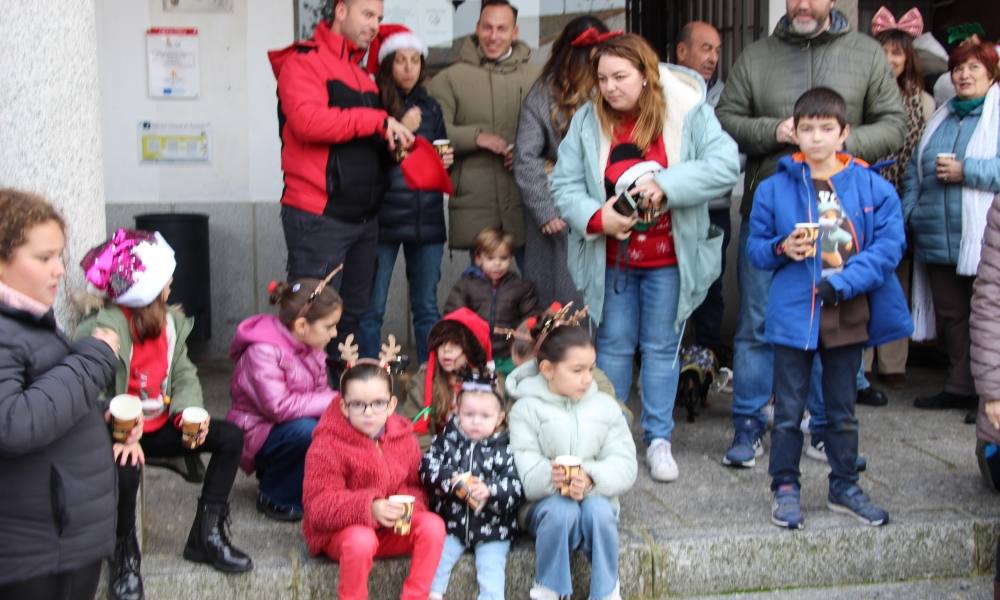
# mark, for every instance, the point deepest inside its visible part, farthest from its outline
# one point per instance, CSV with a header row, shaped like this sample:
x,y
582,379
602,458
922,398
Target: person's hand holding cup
x,y
401,526
386,513
446,151
194,426
948,168
125,415
568,467
580,484
801,243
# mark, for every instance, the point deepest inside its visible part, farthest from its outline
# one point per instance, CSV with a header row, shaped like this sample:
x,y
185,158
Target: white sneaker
x,y
540,592
662,466
615,593
435,596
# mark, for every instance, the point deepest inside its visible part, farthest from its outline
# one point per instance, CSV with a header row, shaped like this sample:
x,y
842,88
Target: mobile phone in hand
x,y
625,204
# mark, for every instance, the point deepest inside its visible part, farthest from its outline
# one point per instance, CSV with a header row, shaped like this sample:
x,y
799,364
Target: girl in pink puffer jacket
x,y
280,388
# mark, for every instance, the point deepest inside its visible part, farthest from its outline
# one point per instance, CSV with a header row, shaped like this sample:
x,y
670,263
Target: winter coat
x,y
490,460
702,164
410,216
932,209
57,510
276,378
183,387
984,324
535,153
771,74
506,305
544,426
346,471
331,123
870,202
478,95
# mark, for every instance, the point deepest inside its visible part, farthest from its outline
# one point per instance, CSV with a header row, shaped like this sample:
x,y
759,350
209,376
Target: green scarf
x,y
962,108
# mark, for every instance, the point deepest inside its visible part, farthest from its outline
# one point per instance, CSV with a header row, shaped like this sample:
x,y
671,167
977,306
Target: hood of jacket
x,y
471,53
265,329
322,37
839,25
527,381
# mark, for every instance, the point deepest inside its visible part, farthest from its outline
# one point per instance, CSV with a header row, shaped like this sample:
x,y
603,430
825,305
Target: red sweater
x,y
346,471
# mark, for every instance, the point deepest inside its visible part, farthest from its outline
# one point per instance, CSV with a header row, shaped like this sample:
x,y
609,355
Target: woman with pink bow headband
x,y
897,38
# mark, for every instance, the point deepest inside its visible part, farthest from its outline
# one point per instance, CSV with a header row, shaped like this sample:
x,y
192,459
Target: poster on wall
x,y
172,62
431,20
161,142
197,5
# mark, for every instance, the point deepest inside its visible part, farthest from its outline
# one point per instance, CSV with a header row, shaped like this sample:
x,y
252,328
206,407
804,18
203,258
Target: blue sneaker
x,y
854,502
785,510
816,450
747,445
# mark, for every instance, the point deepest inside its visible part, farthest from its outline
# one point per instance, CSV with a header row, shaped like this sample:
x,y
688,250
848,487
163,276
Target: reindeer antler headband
x,y
349,354
561,318
319,290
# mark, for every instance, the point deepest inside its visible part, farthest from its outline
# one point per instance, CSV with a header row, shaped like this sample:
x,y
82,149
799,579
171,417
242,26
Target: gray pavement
x,y
708,533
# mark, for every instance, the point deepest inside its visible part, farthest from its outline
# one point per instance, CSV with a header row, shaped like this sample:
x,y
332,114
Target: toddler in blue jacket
x,y
831,229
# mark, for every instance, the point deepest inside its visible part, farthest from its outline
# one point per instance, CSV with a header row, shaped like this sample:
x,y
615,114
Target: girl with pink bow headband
x,y
911,23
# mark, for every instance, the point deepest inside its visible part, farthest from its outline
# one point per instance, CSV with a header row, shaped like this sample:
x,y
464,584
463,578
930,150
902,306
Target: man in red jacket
x,y
336,142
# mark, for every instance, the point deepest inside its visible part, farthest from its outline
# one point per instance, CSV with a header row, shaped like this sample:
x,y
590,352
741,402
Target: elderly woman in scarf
x,y
949,186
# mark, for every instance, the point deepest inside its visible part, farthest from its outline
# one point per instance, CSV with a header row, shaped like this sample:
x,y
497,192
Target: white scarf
x,y
975,203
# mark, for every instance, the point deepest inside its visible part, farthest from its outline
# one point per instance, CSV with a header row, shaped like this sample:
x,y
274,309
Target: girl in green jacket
x,y
134,270
561,418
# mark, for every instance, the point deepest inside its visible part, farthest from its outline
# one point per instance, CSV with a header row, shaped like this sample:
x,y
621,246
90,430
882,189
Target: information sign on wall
x,y
172,62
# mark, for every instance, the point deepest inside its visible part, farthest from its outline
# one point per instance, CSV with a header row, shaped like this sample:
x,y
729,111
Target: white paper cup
x,y
125,411
402,525
442,146
571,466
950,155
192,418
812,230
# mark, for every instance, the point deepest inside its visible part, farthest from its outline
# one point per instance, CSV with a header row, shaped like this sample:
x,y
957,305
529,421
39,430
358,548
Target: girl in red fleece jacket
x,y
362,453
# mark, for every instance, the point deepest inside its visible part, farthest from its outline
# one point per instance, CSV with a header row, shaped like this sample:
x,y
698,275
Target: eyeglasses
x,y
357,407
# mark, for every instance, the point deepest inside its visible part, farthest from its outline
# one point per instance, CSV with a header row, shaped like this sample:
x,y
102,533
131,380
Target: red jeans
x,y
356,547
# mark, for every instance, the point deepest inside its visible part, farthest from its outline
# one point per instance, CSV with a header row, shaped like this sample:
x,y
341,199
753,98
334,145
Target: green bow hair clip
x,y
960,33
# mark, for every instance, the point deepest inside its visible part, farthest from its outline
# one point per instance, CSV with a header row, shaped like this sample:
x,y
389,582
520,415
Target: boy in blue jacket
x,y
832,232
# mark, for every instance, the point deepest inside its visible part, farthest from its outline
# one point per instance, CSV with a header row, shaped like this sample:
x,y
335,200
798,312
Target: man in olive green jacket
x,y
811,46
481,97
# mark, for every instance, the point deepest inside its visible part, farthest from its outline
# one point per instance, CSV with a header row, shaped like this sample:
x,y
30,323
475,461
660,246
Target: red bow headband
x,y
590,37
911,23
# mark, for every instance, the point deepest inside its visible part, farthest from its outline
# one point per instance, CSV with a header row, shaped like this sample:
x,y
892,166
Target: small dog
x,y
699,369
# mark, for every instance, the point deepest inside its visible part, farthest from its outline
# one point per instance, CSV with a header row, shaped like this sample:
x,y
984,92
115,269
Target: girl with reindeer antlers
x,y
362,494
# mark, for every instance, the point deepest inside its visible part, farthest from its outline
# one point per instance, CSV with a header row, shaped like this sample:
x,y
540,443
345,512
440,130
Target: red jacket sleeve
x,y
329,505
596,223
303,97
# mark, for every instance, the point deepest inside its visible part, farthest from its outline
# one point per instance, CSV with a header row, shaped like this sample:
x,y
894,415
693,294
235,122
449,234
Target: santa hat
x,y
473,326
635,172
131,268
392,37
423,170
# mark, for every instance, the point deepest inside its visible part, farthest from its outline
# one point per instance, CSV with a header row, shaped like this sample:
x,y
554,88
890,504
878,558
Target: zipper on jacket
x,y
493,304
812,304
468,513
947,222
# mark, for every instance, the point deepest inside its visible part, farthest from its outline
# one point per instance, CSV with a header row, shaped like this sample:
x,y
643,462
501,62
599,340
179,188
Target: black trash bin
x,y
187,234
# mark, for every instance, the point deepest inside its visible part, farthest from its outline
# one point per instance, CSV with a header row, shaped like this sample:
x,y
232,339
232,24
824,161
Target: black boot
x,y
209,541
124,579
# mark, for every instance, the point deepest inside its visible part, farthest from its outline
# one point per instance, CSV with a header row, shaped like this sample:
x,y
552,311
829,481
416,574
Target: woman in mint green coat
x,y
648,131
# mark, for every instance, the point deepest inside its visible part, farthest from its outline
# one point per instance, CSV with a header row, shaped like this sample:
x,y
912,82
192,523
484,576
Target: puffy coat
x,y
331,123
476,96
490,460
771,74
408,215
703,164
183,386
346,471
276,379
984,324
544,426
788,197
506,305
58,506
933,209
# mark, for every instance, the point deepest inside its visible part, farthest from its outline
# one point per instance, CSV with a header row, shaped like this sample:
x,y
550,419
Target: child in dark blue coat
x,y
832,231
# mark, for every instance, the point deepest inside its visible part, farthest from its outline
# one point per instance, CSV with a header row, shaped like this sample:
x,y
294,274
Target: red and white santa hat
x,y
394,37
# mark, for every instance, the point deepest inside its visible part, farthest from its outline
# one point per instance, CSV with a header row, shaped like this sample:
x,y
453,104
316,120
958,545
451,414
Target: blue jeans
x,y
423,271
491,563
791,386
642,314
753,355
281,461
560,526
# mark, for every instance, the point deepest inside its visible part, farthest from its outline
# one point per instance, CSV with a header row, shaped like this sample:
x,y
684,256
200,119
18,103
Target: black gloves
x,y
827,293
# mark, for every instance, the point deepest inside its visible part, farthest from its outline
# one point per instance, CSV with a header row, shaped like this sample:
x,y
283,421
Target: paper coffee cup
x,y
125,411
192,420
571,466
402,525
950,155
464,492
443,146
812,231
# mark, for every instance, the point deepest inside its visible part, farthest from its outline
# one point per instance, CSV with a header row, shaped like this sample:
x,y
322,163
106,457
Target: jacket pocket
x,y
57,495
709,264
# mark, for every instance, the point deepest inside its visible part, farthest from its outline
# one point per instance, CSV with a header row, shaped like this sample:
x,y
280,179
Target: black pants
x,y
317,244
708,317
224,441
79,584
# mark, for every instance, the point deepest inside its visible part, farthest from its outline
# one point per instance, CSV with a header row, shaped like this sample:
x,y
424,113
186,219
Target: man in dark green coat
x,y
480,97
811,46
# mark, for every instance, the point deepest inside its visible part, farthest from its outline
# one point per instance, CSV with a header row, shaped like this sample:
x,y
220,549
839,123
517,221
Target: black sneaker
x,y
947,400
869,396
971,416
287,514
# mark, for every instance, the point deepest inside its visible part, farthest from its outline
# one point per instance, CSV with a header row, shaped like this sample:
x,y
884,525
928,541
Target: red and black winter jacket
x,y
331,124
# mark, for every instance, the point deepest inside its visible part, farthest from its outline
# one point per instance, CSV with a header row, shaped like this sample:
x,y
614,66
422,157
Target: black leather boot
x,y
209,541
124,579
